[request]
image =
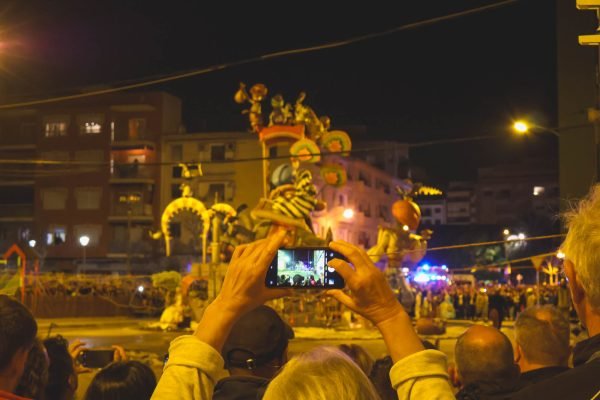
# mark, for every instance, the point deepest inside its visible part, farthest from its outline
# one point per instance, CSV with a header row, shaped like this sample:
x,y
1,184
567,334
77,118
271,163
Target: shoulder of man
x,y
578,383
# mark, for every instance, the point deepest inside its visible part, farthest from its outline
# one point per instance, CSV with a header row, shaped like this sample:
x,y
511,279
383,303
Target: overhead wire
x,y
264,57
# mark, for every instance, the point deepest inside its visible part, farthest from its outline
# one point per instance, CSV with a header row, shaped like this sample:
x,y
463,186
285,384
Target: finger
x,y
272,245
342,268
354,254
343,298
239,251
254,249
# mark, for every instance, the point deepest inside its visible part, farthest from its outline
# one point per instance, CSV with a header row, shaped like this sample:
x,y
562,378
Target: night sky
x,y
465,77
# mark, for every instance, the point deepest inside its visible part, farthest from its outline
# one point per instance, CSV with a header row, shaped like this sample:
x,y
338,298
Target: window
x,y
216,192
54,199
129,198
56,126
341,201
176,153
137,127
90,124
426,212
273,152
437,222
503,194
56,235
437,210
217,152
92,231
364,178
88,198
29,129
488,193
175,191
538,190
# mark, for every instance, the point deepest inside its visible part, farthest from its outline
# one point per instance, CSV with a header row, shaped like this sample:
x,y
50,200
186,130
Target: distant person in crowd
x,y
195,364
582,269
497,307
380,377
254,352
485,367
359,355
531,298
482,304
35,376
563,298
321,373
122,380
541,343
18,330
62,376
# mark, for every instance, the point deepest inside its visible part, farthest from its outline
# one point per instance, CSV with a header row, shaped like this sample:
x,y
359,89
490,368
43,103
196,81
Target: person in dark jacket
x,y
542,346
582,269
254,352
485,367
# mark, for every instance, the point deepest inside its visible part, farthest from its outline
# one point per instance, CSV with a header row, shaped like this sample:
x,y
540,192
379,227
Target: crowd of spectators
x,y
240,347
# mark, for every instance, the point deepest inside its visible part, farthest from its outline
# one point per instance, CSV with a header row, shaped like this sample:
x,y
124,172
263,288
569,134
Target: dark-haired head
x,y
122,381
35,377
17,334
62,379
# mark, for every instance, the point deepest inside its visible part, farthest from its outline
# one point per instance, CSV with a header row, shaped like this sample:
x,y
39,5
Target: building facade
x,y
97,177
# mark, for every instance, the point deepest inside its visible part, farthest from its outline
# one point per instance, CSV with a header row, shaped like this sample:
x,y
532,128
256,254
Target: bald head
x,y
484,355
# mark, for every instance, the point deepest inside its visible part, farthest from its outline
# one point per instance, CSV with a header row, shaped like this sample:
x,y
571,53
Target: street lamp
x,y
523,127
348,213
32,243
84,241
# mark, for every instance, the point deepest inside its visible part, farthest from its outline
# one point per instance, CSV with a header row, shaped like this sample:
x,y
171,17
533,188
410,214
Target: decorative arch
x,y
176,206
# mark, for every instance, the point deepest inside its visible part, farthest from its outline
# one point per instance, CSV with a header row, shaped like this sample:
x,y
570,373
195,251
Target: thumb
x,y
342,298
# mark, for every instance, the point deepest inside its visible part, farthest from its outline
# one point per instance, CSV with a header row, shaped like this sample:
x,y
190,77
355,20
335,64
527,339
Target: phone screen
x,y
304,268
96,358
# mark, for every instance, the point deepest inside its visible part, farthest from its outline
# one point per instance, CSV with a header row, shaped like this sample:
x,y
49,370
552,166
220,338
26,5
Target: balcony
x,y
125,174
16,212
137,212
125,140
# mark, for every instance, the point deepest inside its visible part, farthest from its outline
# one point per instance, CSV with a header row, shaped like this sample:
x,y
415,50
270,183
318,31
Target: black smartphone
x,y
96,358
304,268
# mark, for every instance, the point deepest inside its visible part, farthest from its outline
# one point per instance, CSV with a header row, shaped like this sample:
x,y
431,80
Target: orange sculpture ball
x,y
407,213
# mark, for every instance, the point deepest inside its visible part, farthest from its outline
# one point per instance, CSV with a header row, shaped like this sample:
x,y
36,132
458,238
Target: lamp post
x,y
84,241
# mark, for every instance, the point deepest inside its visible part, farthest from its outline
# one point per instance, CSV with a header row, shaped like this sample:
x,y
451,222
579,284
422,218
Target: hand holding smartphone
x,y
96,358
304,268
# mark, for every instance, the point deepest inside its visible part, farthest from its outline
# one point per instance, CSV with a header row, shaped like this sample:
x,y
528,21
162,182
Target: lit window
x,y
90,124
137,128
538,190
217,152
56,126
56,235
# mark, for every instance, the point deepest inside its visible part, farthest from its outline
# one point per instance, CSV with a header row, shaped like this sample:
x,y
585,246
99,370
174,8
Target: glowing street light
x,y
506,232
521,127
84,241
560,255
348,213
32,243
521,236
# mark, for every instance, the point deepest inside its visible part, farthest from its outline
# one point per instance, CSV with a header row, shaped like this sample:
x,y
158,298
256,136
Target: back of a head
x,y
61,371
17,330
582,244
322,373
380,376
484,355
35,377
122,381
359,356
543,333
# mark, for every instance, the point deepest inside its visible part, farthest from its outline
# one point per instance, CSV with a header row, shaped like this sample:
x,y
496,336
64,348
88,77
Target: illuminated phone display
x,y
304,268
